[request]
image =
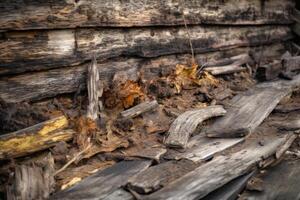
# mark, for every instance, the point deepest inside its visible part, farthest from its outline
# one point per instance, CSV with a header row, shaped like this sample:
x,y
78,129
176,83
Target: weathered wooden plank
x,y
33,181
201,148
288,125
35,138
280,151
102,184
154,153
246,111
30,14
36,50
39,85
119,194
269,71
287,108
139,109
186,123
228,69
292,63
219,171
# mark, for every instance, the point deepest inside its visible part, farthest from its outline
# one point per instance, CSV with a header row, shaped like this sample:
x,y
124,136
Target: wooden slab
x,y
119,194
37,50
201,148
139,109
288,125
217,172
102,184
185,124
49,14
246,111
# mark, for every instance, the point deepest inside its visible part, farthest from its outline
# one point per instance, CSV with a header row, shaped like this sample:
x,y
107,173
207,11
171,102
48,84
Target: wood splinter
x,y
139,109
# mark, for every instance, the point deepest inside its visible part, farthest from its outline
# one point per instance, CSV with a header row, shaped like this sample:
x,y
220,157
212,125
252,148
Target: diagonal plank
x,y
217,172
183,127
102,184
247,111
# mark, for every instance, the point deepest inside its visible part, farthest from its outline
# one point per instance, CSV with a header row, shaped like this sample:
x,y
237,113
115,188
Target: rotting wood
x,y
32,181
184,125
219,171
292,63
35,138
158,176
154,153
39,85
269,71
139,109
246,111
56,48
119,194
201,148
287,108
288,125
22,15
103,183
244,57
280,151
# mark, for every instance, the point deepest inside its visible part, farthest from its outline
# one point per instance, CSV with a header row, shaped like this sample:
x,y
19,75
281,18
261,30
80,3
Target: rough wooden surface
x,y
246,111
269,71
219,171
139,109
292,64
33,181
228,69
185,124
201,148
119,194
103,183
30,14
39,85
36,50
35,138
280,151
288,125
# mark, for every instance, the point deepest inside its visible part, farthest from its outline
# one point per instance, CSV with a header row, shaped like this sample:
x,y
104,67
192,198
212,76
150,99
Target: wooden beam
x,y
35,138
30,14
103,183
37,50
219,171
184,125
139,109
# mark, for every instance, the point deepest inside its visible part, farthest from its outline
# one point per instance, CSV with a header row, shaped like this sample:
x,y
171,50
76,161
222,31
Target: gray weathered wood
x,y
281,150
39,85
33,181
246,111
269,71
37,50
154,153
102,184
219,171
287,108
288,125
184,125
139,109
119,194
292,64
201,148
30,14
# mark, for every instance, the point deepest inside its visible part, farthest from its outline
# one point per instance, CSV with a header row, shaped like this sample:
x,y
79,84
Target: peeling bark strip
x,y
139,109
183,127
33,181
103,183
248,110
214,174
36,50
39,85
35,138
201,148
30,14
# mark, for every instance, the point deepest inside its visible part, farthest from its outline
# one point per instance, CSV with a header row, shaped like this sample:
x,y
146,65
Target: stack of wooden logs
x,y
46,46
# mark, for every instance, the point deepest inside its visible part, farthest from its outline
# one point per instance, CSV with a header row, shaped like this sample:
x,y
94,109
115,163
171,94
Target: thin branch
x,y
190,40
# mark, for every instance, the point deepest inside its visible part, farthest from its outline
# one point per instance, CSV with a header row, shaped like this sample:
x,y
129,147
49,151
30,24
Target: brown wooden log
x,y
184,125
37,50
30,14
39,85
34,180
35,138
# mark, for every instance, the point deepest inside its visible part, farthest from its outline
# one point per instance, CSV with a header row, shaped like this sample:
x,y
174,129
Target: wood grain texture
x,y
246,111
37,50
103,183
30,14
287,125
39,85
185,124
214,174
139,109
35,138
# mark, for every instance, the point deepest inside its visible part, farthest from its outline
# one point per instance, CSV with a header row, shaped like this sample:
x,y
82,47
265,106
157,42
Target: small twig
x,y
73,159
190,40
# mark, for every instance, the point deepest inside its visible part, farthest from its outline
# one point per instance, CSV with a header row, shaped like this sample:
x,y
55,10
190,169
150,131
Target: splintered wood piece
x,y
33,181
214,174
291,125
91,13
119,194
158,176
269,71
292,63
285,146
287,108
35,138
201,148
154,153
182,128
103,183
139,109
247,111
60,48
